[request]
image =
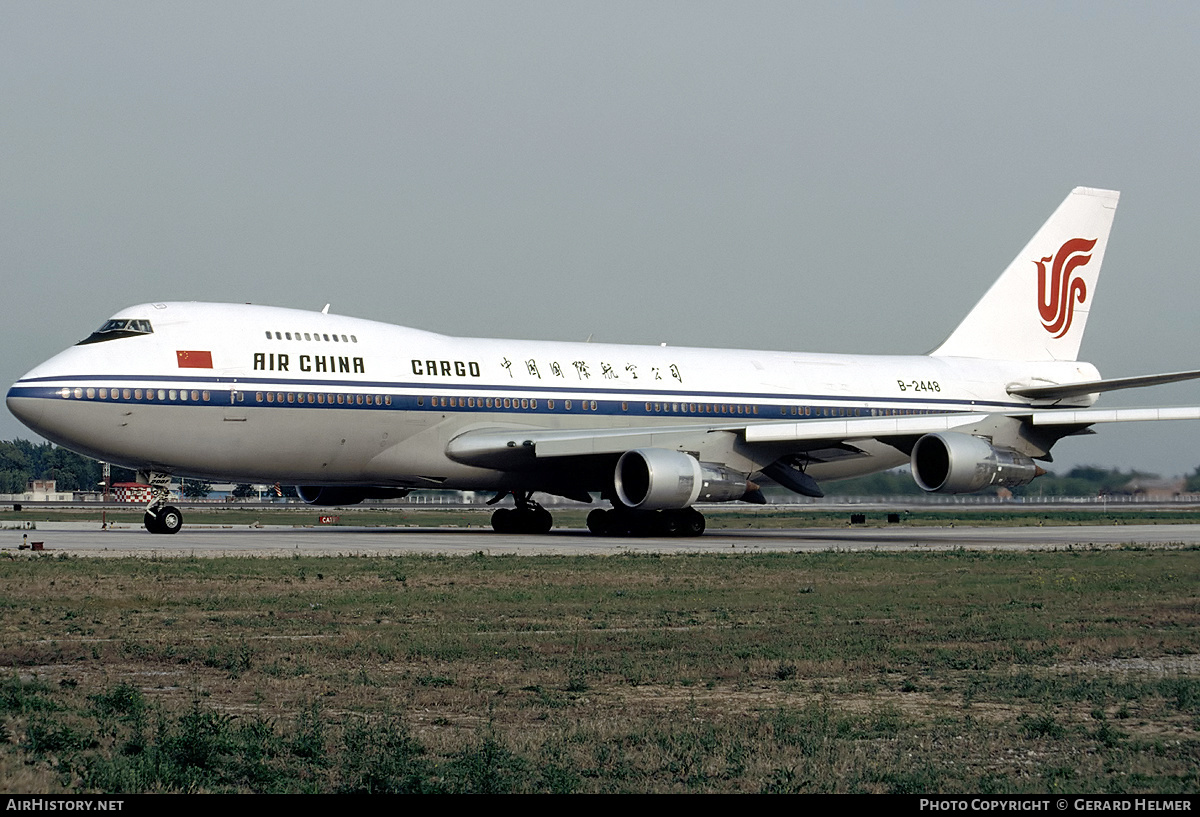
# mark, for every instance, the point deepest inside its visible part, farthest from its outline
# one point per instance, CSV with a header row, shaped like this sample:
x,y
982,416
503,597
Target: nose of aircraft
x,y
27,399
26,409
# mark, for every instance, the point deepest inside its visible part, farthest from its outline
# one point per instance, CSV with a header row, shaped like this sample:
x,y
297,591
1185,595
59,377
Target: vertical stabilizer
x,y
1038,307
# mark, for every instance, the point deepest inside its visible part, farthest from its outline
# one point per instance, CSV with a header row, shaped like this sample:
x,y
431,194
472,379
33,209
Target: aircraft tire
x,y
668,523
502,521
598,522
150,523
693,523
170,520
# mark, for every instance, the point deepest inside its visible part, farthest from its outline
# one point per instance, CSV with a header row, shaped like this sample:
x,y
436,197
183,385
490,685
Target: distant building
x,y
40,490
132,492
1155,488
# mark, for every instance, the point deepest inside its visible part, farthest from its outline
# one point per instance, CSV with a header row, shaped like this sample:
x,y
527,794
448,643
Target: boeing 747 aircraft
x,y
352,409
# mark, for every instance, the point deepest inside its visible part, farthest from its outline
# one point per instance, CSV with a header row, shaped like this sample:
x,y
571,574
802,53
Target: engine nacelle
x,y
329,495
953,463
655,479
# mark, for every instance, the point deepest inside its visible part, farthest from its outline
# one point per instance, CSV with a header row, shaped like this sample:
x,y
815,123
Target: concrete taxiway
x,y
85,539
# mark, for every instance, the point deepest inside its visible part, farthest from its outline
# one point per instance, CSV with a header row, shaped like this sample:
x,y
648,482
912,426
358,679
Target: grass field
x,y
965,671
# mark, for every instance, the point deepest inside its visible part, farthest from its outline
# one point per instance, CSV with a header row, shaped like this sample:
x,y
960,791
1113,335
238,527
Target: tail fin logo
x,y
1058,296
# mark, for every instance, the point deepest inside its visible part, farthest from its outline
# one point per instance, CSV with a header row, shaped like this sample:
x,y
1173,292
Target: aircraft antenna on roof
x,y
325,310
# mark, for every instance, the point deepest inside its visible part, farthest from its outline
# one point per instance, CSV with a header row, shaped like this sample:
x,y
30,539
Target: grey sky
x,y
810,176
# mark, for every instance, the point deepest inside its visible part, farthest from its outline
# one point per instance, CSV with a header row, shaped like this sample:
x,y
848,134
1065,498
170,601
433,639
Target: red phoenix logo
x,y
1058,296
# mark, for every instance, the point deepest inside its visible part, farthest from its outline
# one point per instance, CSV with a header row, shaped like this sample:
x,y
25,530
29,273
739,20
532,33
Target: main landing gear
x,y
160,517
621,521
527,517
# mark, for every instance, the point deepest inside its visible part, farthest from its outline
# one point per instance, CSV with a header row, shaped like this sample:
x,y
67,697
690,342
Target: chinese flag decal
x,y
194,360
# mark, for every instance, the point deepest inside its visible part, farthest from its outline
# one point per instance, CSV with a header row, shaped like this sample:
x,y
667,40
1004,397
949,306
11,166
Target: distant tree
x,y
1083,480
15,469
195,489
22,461
1193,481
243,490
897,482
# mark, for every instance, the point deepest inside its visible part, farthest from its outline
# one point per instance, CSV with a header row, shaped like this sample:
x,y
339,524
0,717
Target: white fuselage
x,y
265,394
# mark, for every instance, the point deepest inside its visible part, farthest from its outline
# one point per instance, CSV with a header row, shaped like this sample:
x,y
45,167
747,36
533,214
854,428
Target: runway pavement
x,y
85,539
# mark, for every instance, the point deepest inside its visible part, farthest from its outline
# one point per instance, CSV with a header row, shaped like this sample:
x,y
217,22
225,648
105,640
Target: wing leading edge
x,y
510,447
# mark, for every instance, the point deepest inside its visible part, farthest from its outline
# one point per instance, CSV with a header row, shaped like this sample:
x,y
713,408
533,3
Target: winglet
x,y
1037,309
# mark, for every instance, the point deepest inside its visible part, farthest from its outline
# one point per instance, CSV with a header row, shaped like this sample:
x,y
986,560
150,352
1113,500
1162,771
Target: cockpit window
x,y
118,328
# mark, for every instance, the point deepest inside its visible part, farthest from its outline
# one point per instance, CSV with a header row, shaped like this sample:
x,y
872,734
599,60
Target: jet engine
x,y
953,463
328,495
655,479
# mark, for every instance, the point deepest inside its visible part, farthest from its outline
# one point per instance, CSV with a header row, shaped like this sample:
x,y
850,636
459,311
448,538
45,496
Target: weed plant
x,y
823,672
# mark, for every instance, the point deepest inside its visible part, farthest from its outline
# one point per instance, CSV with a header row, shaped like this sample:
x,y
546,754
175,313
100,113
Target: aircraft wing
x,y
509,447
492,447
884,427
506,447
1127,415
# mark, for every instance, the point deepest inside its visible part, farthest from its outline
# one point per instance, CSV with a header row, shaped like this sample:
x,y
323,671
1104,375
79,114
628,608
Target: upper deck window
x,y
119,328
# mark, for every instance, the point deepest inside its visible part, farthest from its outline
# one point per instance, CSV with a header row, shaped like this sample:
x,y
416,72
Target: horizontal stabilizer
x,y
1064,390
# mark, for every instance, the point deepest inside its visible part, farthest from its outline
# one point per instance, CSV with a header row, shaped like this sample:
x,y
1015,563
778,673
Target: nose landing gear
x,y
168,520
160,517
